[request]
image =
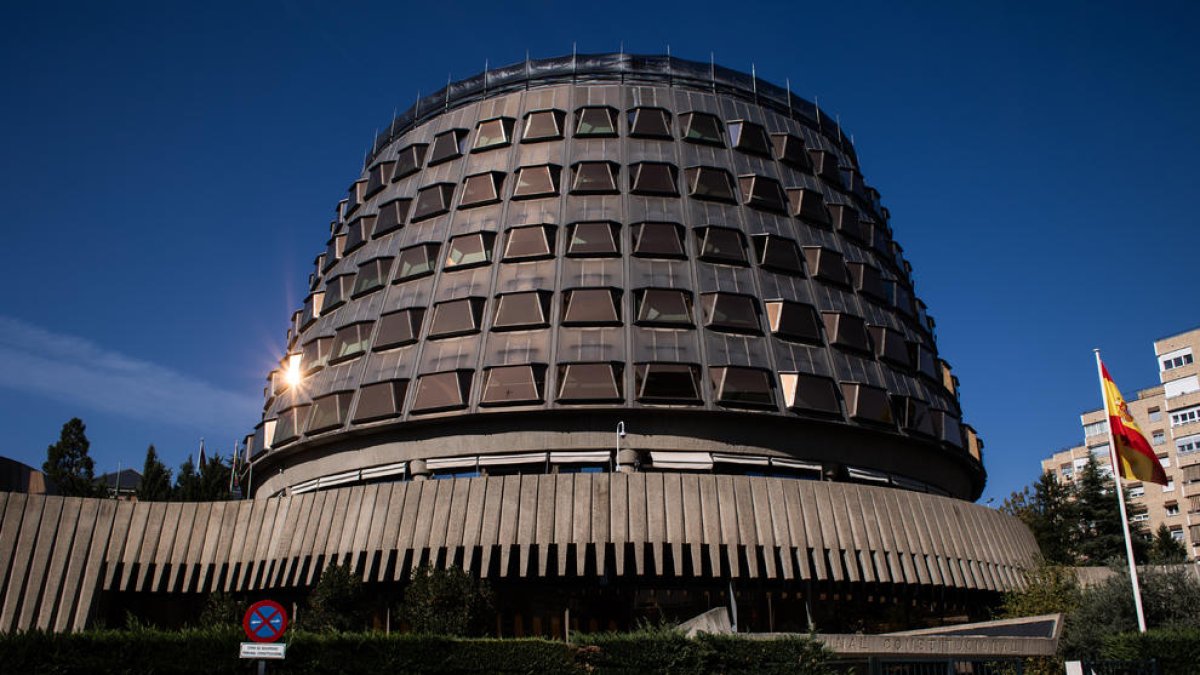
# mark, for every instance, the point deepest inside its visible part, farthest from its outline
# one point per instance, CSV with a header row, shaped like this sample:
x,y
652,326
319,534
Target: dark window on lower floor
x,y
668,383
591,306
810,393
526,310
731,312
738,386
513,385
329,412
442,391
380,400
399,328
794,321
593,239
664,307
589,382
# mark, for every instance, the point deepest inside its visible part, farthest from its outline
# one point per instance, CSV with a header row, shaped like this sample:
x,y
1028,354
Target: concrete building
x,y
1169,415
629,336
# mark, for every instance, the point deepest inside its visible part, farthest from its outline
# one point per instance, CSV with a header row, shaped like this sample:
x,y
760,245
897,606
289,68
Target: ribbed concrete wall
x,y
56,553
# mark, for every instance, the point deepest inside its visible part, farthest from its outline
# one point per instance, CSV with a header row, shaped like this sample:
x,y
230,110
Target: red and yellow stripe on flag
x,y
1138,461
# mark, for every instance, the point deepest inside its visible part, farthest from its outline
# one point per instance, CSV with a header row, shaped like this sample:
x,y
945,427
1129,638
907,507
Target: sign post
x,y
264,623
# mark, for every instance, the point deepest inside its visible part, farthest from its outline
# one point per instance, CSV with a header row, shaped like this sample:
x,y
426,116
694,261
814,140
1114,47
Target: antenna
x,y
788,82
712,70
448,79
754,81
670,72
485,76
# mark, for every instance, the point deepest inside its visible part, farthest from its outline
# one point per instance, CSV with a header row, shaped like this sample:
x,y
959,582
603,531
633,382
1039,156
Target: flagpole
x,y
1116,466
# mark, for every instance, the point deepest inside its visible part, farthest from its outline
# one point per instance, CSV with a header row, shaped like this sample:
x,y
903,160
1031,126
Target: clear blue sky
x,y
167,174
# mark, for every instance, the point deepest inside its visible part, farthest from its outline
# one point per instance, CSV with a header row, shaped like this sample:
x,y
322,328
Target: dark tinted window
x,y
495,133
867,403
480,189
316,353
827,265
543,125
338,291
808,205
890,346
447,146
589,382
846,330
658,240
513,385
289,425
702,128
595,121
749,387
442,391
372,276
469,250
763,193
722,245
810,393
521,310
650,123
416,261
706,182
593,239
778,254
399,328
868,281
594,178
409,160
668,383
789,149
329,412
845,220
794,321
591,306
913,415
333,249
653,178
392,216
378,177
749,137
433,200
354,197
731,312
825,165
529,243
350,341
456,317
536,181
380,400
664,307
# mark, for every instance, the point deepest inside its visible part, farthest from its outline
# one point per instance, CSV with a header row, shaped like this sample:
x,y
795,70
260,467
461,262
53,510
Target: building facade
x,y
1169,415
628,335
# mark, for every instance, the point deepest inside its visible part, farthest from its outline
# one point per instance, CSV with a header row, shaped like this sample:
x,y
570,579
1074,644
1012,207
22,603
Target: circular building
x,y
652,326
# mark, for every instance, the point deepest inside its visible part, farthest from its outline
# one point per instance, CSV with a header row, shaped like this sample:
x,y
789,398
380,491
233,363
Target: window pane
x,y
761,192
706,182
827,265
723,245
868,281
441,391
399,328
529,243
668,382
846,330
661,306
789,149
778,254
702,128
316,353
447,146
378,177
543,125
521,310
493,134
350,341
810,393
658,240
749,137
469,249
392,216
357,233
809,205
594,306
867,403
594,178
596,121
380,400
731,312
825,165
589,382
509,385
433,200
649,123
536,181
794,321
592,239
409,160
456,317
481,189
653,178
329,412
372,276
890,346
845,220
416,261
742,387
337,290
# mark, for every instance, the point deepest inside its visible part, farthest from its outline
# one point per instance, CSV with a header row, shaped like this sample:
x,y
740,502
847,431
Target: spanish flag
x,y
1137,460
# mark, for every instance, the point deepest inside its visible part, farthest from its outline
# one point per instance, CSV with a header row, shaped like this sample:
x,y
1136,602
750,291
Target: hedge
x,y
215,651
1175,649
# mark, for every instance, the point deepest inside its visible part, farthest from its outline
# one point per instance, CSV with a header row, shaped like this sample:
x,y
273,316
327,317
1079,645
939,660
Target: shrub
x,y
337,603
446,602
1173,648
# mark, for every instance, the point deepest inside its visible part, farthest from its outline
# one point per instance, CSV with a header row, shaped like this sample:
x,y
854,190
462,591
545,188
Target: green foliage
x,y
214,480
446,602
1050,513
1100,536
1173,648
337,603
1049,589
68,464
1164,549
1170,599
214,650
222,610
187,483
156,479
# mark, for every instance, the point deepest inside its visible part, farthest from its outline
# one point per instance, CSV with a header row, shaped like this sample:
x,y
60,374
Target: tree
x,y
214,479
187,483
156,479
1050,513
446,602
68,464
338,602
1165,549
1100,534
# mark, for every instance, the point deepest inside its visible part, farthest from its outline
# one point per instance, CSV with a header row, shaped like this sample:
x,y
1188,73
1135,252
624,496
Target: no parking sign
x,y
265,622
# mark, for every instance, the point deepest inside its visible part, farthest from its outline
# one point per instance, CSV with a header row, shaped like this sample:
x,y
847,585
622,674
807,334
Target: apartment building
x,y
1169,415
